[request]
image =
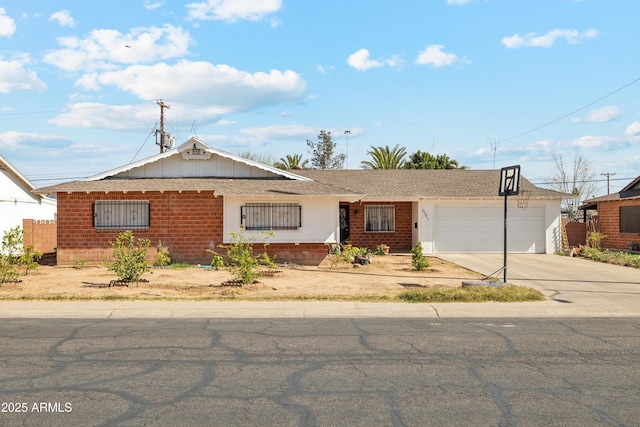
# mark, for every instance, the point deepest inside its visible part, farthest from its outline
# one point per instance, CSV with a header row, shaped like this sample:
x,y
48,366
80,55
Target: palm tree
x,y
385,158
291,162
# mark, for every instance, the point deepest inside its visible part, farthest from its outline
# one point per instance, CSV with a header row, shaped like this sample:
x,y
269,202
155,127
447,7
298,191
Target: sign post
x,y
509,186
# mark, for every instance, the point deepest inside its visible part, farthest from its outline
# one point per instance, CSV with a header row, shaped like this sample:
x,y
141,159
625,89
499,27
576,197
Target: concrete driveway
x,y
573,285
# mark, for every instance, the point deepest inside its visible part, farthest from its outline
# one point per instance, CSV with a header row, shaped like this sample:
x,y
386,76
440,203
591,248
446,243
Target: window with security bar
x,y
380,218
271,216
121,214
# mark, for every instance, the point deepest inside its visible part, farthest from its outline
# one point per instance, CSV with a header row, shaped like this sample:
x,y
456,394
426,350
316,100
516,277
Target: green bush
x,y
13,256
162,256
418,260
243,263
130,256
611,257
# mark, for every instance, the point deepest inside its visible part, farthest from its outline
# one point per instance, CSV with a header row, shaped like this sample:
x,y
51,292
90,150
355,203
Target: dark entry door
x,y
344,223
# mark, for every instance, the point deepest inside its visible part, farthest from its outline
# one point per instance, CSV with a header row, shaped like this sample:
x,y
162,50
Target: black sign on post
x,y
509,186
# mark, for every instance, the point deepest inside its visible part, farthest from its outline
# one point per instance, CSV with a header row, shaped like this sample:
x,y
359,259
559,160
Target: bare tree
x,y
580,181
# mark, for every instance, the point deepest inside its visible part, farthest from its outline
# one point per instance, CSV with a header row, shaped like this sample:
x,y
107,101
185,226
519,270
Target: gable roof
x,y
185,150
21,181
629,192
424,183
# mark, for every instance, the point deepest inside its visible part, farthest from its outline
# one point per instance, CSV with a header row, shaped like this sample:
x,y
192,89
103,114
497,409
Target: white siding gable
x,y
194,159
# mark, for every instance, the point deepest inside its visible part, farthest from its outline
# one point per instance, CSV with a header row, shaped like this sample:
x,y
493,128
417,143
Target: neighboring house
x,y
618,216
191,197
17,200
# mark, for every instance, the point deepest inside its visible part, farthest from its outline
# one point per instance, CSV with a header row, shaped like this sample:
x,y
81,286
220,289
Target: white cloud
x,y
7,24
547,40
601,142
152,5
15,76
633,129
63,17
203,83
233,10
601,115
458,2
360,61
435,56
14,140
103,49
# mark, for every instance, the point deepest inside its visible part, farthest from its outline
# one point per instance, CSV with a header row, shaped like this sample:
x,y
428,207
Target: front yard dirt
x,y
386,275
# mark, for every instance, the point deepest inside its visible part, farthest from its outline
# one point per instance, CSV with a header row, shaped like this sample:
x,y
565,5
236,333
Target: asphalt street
x,y
320,372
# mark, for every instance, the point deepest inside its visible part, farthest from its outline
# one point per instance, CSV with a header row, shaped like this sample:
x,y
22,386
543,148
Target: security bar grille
x,y
271,216
121,214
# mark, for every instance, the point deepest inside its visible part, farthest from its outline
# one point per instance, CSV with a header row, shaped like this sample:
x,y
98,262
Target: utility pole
x,y
347,132
608,175
163,140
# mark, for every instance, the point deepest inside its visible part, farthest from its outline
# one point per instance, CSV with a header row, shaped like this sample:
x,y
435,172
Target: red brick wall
x,y
40,233
186,223
400,240
609,214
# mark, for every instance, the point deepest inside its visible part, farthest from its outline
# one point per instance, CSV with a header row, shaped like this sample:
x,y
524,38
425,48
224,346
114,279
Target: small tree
x,y
322,152
243,263
418,260
13,256
130,254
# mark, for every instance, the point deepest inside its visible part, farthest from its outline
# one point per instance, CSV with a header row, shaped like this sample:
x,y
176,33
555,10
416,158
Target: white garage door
x,y
481,229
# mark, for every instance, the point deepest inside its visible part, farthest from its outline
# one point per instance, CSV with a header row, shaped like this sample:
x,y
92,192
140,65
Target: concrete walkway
x,y
575,287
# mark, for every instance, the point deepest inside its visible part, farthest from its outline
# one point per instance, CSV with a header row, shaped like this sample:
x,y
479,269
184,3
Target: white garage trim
x,y
480,229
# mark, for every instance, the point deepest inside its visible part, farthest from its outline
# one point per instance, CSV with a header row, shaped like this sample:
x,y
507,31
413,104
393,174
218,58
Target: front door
x,y
344,223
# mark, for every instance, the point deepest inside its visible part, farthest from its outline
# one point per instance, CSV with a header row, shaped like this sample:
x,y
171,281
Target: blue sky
x,y
490,83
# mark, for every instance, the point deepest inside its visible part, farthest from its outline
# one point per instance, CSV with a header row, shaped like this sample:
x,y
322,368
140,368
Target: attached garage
x,y
480,229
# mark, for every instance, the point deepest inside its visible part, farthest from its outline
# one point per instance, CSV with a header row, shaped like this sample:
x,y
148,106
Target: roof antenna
x,y
164,140
194,129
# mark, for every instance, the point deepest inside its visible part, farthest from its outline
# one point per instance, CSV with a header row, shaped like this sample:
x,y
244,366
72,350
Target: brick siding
x,y
399,241
187,223
609,216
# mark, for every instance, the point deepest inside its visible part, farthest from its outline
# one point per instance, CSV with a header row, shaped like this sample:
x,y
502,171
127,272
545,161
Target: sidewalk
x,y
292,309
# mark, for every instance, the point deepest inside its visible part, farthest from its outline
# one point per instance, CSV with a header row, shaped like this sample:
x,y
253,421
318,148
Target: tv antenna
x,y
163,139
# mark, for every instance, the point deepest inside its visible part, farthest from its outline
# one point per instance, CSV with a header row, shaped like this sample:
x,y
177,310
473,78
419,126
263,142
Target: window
x,y
121,214
630,219
380,218
271,216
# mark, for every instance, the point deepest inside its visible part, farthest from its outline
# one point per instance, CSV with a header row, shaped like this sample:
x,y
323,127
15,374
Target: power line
x,y
571,113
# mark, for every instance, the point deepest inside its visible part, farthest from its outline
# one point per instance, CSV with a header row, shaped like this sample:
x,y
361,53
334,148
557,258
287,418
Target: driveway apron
x,y
578,283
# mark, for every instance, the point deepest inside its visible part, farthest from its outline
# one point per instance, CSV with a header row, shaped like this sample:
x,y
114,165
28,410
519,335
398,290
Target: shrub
x,y
217,262
130,256
12,255
418,260
595,238
611,257
162,256
29,259
243,264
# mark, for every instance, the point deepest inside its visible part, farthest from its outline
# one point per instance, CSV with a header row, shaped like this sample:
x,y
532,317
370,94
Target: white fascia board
x,y
130,166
